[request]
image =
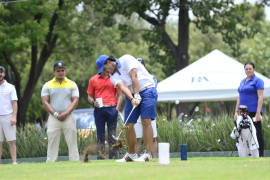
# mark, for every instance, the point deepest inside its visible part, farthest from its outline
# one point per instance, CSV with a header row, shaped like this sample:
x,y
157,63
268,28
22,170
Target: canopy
x,y
214,77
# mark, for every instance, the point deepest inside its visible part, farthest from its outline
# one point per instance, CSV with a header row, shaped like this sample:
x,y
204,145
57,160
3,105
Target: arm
x,y
236,108
63,115
135,81
258,116
127,92
118,100
92,101
46,104
45,97
135,85
14,115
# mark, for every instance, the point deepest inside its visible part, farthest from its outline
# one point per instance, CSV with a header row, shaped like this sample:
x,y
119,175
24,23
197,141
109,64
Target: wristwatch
x,y
55,114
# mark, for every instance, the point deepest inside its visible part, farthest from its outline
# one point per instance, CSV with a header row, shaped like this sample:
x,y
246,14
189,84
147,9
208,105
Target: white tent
x,y
214,77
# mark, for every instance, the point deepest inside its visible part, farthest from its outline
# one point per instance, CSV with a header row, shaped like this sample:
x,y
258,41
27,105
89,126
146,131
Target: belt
x,y
142,89
105,105
146,87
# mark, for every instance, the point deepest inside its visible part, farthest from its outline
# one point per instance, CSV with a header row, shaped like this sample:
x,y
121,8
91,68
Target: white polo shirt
x,y
7,95
128,63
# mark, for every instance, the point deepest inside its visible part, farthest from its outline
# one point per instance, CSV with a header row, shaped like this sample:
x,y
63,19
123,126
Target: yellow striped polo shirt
x,y
60,94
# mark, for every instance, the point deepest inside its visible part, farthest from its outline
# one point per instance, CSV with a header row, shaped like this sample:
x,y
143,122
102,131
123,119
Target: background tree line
x,y
36,33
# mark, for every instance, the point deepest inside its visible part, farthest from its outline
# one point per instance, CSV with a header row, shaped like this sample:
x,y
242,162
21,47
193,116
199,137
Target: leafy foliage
x,y
81,36
224,17
257,50
205,134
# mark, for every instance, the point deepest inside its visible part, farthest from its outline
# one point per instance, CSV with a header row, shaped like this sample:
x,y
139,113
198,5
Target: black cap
x,y
2,69
58,64
141,60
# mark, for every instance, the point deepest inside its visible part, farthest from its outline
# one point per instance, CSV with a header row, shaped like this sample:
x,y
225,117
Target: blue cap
x,y
58,64
101,61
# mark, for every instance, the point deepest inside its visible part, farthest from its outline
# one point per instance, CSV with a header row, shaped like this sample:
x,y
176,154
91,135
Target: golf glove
x,y
138,98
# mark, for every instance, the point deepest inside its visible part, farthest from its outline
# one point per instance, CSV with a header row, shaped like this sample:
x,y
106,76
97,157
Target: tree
x,y
224,17
257,50
28,36
83,36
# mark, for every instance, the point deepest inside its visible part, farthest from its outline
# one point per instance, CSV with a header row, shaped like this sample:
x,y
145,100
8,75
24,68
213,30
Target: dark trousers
x,y
259,133
105,115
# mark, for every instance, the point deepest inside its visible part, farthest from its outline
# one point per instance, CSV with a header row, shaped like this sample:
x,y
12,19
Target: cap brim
x,y
59,67
100,69
117,63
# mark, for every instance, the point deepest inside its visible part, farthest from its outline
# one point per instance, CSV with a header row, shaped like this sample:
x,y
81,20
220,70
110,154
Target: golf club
x,y
117,138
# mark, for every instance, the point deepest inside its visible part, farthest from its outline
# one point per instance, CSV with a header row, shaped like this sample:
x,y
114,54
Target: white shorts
x,y
139,129
6,130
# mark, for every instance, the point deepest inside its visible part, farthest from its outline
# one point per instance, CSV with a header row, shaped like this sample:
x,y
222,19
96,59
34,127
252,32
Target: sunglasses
x,y
111,58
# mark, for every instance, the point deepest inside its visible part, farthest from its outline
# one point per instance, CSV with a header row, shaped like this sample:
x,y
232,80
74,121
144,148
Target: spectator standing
x,y
100,87
60,97
251,95
8,115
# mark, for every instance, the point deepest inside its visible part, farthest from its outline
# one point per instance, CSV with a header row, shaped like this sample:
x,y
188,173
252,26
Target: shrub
x,y
204,134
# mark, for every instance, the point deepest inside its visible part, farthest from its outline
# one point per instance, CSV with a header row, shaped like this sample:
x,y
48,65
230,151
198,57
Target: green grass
x,y
193,168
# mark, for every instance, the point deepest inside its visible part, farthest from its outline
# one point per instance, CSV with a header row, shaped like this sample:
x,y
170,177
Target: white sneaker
x,y
128,157
14,163
145,157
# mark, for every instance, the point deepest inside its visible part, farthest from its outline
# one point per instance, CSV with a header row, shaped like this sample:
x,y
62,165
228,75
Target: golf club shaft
x,y
126,121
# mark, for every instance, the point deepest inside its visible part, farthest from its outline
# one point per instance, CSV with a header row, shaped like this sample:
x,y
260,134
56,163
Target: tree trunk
x,y
37,66
180,51
182,57
183,36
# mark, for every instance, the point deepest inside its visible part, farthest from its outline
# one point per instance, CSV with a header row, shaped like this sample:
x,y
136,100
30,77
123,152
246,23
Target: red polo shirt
x,y
101,87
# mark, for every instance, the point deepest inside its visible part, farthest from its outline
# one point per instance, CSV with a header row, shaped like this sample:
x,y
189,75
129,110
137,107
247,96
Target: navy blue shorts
x,y
147,107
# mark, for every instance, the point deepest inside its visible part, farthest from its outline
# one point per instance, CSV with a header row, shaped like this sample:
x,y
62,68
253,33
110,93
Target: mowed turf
x,y
193,168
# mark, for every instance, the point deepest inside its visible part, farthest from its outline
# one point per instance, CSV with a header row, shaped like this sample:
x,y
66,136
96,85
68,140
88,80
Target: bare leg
x,y
155,148
131,138
12,150
138,146
147,134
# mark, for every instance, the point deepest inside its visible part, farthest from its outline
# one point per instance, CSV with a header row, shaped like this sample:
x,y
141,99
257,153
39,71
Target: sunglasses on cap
x,y
111,58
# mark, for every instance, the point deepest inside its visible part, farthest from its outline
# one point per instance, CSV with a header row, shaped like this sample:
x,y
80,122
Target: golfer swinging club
x,y
139,87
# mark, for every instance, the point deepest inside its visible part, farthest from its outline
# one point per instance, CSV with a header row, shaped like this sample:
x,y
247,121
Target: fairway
x,y
193,168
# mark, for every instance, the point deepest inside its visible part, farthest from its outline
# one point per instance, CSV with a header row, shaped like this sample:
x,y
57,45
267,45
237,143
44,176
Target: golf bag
x,y
245,132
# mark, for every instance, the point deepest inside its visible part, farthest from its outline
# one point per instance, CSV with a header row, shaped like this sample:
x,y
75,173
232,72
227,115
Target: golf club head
x,y
119,142
115,138
118,145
